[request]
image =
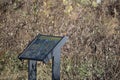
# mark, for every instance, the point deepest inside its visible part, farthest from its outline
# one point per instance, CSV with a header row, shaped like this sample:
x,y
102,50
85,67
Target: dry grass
x,y
91,53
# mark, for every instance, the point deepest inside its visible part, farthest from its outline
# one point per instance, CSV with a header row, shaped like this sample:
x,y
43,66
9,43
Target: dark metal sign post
x,y
43,48
56,65
32,72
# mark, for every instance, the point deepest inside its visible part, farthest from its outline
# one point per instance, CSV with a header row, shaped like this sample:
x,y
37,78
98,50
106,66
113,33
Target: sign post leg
x,y
32,69
56,65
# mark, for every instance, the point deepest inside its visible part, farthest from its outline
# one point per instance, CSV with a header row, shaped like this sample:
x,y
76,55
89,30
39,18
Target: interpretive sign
x,y
43,48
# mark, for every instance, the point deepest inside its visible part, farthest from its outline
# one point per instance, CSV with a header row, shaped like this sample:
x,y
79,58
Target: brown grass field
x,y
92,51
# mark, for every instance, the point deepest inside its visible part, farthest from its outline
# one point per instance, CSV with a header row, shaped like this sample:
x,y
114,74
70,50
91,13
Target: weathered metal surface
x,y
43,48
32,69
56,64
40,47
